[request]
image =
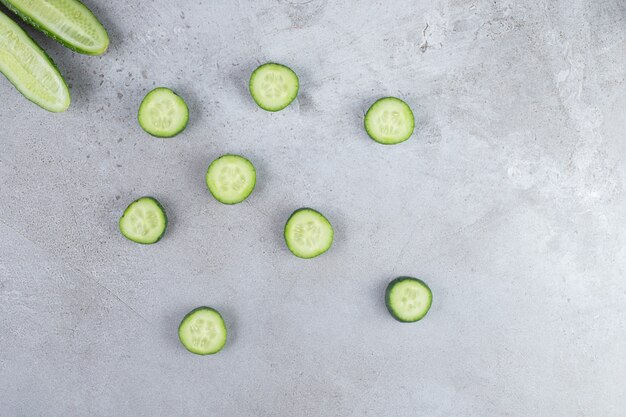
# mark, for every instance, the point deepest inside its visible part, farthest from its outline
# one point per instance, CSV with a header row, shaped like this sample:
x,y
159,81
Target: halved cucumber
x,y
231,179
202,331
389,121
144,221
67,21
29,69
308,233
408,299
273,86
162,113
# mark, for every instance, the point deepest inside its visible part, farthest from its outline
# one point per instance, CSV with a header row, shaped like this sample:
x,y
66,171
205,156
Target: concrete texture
x,y
509,201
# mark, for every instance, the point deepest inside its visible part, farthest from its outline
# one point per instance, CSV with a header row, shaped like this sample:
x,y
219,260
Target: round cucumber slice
x,y
231,179
273,86
163,113
29,69
67,21
308,233
408,299
144,221
202,331
389,121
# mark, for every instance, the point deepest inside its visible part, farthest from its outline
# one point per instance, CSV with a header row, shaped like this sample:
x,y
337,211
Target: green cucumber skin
x,y
388,301
189,315
54,66
285,232
32,22
119,223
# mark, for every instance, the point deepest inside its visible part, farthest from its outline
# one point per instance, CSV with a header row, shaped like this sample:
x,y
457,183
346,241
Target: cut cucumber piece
x,y
144,221
389,121
408,299
273,86
68,22
308,233
202,331
231,179
162,113
29,69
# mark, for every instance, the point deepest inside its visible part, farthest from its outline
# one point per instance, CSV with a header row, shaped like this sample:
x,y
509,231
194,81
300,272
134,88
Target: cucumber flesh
x,y
144,221
389,121
308,233
202,331
273,86
408,299
29,69
163,113
69,22
231,179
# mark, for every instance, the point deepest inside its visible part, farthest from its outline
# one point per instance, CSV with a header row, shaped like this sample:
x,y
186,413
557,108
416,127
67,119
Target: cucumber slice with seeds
x,y
231,179
273,86
69,22
162,113
308,233
144,221
408,299
29,69
389,121
203,331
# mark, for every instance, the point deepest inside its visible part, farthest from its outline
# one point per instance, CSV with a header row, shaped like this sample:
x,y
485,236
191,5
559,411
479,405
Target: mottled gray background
x,y
509,201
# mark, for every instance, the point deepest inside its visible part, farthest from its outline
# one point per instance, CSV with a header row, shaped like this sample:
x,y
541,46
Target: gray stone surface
x,y
509,201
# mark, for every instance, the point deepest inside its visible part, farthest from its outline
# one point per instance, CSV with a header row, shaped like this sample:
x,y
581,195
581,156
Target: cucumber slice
x,y
231,179
202,331
389,121
308,233
162,113
29,69
144,221
408,299
69,22
273,86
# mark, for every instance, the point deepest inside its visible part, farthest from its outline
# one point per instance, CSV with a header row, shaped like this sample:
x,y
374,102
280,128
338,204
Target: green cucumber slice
x,y
69,22
231,179
29,69
273,86
144,221
163,113
308,233
203,331
389,121
408,299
